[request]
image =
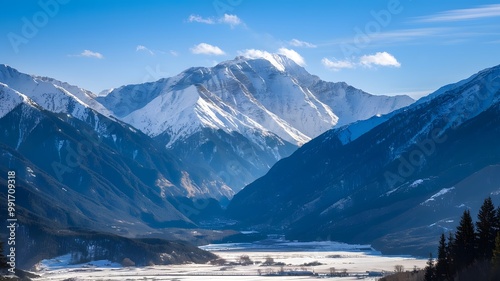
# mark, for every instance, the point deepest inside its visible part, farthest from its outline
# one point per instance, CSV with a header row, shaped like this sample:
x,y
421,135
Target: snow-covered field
x,y
355,259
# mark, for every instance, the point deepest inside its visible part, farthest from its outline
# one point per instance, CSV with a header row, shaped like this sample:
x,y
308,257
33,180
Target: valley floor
x,y
342,257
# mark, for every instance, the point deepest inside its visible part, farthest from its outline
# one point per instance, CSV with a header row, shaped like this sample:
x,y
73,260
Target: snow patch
x,y
416,183
440,193
64,262
30,172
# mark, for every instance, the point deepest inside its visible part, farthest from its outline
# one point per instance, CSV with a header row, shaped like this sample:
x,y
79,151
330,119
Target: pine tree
x,y
496,252
442,265
486,229
430,270
464,246
450,255
497,219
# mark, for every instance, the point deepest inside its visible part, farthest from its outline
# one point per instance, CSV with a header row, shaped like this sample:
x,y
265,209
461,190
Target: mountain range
x,y
397,181
159,158
242,116
141,160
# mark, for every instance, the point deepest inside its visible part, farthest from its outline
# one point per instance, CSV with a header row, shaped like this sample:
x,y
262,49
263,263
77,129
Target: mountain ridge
x,y
267,101
347,189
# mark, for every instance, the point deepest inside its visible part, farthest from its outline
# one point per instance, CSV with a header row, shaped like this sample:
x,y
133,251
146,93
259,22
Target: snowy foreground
x,y
357,260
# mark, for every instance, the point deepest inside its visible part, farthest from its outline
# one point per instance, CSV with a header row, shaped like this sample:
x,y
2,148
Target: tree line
x,y
472,252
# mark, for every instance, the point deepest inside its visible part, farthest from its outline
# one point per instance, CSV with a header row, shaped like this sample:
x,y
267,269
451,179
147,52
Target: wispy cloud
x,y
90,54
390,37
207,49
144,49
197,18
293,55
378,59
409,34
337,65
298,43
231,20
486,11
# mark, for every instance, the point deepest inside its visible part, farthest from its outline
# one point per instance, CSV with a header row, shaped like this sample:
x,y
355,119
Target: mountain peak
x,y
281,62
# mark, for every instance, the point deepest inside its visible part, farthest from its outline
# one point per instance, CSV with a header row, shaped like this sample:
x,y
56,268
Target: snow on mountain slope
x,y
52,95
10,99
352,104
235,119
370,178
271,95
464,100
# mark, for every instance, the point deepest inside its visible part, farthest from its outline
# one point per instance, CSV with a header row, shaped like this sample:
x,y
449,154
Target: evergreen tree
x,y
497,219
486,230
496,252
495,261
464,246
442,265
450,254
430,270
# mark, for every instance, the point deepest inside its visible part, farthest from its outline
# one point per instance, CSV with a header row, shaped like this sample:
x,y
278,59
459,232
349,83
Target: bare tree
x,y
269,261
332,271
399,268
245,260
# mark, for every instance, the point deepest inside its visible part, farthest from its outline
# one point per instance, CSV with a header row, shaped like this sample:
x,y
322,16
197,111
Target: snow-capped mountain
x,y
96,168
234,120
9,99
395,181
273,103
52,95
270,95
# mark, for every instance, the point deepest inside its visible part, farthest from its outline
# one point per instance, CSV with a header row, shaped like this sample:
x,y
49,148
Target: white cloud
x,y
144,49
485,11
377,59
257,54
207,49
174,53
90,54
293,55
254,54
232,20
337,65
380,58
298,43
196,18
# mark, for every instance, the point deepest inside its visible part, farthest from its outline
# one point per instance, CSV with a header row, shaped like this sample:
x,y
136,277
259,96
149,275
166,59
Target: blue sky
x,y
382,47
